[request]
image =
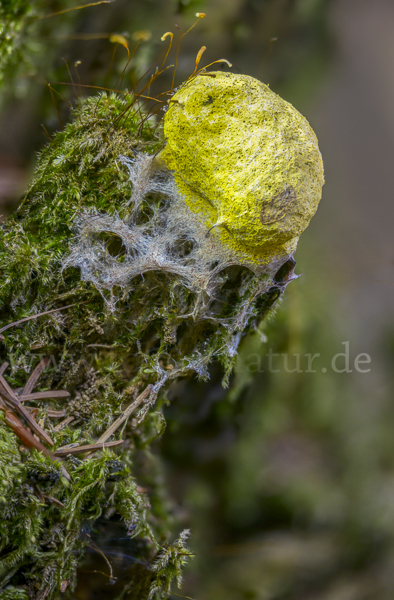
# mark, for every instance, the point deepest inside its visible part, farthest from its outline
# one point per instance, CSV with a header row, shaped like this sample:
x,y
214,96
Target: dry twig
x,y
65,451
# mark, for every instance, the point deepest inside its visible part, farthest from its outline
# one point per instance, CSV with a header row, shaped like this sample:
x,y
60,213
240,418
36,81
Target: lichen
x,y
246,161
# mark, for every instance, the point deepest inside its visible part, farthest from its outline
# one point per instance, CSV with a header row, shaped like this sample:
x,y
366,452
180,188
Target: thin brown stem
x,y
47,312
15,404
31,382
66,10
56,414
62,452
42,395
4,367
125,415
63,424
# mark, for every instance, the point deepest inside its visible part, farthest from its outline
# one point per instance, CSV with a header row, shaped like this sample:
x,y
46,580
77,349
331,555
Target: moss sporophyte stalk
x,y
140,253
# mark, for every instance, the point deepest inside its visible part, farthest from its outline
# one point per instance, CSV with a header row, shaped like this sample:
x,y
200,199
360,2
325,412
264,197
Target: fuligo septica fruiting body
x,y
245,161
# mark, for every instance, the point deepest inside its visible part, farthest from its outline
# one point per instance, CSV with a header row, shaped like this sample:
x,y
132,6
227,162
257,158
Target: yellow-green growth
x,y
246,161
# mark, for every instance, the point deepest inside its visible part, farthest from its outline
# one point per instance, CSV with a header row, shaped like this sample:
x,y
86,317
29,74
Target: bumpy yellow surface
x,y
245,161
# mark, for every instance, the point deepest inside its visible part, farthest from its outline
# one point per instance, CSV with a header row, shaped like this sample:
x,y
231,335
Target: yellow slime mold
x,y
245,161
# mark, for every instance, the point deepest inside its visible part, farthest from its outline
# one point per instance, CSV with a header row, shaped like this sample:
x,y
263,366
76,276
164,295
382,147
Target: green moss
x,y
120,329
13,593
15,17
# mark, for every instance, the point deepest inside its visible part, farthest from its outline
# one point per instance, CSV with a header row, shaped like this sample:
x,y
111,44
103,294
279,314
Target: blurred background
x,y
286,479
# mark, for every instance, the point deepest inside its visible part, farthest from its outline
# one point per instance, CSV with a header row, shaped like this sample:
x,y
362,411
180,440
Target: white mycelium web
x,y
158,233
204,280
